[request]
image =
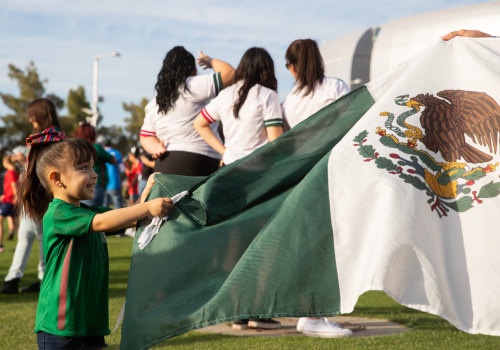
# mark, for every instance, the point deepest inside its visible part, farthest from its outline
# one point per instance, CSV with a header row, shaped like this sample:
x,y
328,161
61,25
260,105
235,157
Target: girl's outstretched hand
x,y
159,206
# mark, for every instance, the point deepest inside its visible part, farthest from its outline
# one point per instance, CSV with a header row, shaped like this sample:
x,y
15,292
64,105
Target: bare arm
x,y
152,145
147,162
466,33
273,132
203,128
125,217
225,69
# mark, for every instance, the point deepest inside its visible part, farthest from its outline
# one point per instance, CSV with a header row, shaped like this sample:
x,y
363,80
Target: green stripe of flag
x,y
237,247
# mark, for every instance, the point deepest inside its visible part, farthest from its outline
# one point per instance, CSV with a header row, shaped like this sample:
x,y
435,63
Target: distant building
x,y
362,56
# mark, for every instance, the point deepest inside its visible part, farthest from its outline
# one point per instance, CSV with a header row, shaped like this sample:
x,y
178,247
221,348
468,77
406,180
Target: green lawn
x,y
17,318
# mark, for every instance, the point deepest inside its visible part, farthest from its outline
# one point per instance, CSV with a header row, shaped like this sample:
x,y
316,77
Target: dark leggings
x,y
186,163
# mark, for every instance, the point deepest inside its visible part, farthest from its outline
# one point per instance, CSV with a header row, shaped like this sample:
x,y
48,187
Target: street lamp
x,y
95,97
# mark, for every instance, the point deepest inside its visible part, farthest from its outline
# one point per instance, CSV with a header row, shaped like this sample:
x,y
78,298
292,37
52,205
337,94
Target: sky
x,y
62,37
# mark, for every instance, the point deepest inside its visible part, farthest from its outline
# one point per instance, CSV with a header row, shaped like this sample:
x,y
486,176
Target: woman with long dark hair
x,y
312,90
167,132
249,110
41,114
250,113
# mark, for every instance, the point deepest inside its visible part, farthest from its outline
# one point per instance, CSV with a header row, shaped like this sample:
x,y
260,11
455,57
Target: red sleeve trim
x,y
207,116
147,133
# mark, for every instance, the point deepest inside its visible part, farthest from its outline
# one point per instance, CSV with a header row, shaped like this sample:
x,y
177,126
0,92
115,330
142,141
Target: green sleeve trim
x,y
217,82
273,122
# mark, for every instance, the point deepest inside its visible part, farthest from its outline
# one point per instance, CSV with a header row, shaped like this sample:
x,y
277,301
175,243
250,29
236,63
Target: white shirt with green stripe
x,y
246,133
175,128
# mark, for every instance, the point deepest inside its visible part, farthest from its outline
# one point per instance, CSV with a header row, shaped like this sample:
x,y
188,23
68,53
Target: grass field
x,y
17,319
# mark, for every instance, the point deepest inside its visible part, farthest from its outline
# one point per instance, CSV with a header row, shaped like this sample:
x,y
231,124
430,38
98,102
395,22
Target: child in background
x,y
72,309
8,198
133,171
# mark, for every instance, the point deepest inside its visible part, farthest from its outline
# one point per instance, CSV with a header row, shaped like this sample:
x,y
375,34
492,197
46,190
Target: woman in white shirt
x,y
250,113
249,110
167,132
312,90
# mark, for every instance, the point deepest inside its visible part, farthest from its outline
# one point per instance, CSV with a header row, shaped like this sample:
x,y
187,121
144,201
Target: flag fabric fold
x,y
357,197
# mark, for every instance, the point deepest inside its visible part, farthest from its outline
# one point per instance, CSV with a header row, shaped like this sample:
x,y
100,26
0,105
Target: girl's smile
x,y
76,183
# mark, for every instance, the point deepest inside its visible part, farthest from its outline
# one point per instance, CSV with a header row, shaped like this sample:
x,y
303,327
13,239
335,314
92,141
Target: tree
x,y
76,103
116,136
135,121
16,126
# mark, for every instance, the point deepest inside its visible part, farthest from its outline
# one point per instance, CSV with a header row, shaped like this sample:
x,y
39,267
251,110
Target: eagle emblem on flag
x,y
449,155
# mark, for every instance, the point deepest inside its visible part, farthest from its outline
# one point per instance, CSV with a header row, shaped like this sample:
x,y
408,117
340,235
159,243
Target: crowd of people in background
x,y
194,125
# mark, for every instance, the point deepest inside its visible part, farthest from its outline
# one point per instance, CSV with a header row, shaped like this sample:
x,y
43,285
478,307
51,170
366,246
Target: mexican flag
x,y
393,187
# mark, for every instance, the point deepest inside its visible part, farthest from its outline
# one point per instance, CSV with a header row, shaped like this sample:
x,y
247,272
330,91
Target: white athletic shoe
x,y
301,322
324,329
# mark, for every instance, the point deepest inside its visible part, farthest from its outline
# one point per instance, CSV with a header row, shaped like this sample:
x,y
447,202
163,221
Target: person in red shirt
x,y
8,198
133,171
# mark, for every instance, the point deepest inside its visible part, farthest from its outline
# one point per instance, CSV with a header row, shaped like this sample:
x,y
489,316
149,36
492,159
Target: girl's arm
x,y
225,69
153,145
273,132
203,128
120,218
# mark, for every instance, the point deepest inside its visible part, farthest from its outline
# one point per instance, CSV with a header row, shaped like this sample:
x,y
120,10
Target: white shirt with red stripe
x,y
175,129
246,133
298,106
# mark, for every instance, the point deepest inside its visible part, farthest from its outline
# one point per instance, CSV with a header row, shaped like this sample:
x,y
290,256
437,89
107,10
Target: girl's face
x,y
34,123
77,182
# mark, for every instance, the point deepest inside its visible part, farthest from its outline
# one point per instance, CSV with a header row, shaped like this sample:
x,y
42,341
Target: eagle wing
x,y
476,114
441,132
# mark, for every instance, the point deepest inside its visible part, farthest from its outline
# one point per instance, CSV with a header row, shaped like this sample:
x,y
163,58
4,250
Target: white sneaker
x,y
301,322
324,329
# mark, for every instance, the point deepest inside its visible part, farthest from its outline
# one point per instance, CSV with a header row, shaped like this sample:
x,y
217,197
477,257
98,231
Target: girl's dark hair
x,y
34,187
256,67
44,112
85,131
178,65
305,56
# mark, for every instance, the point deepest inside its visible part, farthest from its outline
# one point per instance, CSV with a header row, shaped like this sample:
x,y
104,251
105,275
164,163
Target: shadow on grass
x,y
19,298
194,338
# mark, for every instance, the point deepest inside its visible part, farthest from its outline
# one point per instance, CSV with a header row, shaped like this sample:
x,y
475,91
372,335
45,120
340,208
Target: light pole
x,y
95,97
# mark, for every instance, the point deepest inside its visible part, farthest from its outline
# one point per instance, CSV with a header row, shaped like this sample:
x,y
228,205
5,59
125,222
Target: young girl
x,y
72,309
250,113
87,132
249,110
8,198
